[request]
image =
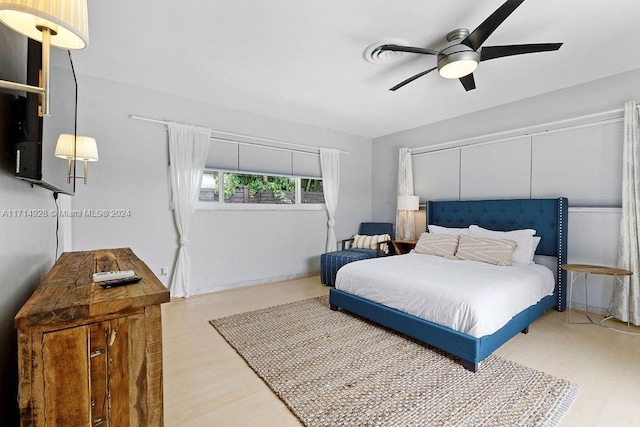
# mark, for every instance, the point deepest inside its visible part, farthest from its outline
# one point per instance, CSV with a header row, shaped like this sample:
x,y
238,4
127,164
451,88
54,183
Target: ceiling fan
x,y
463,53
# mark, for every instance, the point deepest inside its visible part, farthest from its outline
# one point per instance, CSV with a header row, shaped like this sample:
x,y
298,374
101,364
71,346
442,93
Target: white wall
x,y
592,234
27,253
28,244
228,249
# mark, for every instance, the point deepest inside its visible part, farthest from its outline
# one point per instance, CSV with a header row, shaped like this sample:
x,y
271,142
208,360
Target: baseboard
x,y
261,281
603,311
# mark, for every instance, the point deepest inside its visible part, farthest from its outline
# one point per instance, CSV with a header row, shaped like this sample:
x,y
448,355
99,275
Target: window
x,y
242,188
209,187
311,191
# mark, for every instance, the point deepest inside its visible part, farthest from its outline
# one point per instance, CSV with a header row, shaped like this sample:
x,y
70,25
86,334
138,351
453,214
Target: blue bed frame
x,y
547,216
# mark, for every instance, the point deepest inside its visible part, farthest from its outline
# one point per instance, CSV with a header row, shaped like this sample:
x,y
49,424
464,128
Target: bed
x,y
547,216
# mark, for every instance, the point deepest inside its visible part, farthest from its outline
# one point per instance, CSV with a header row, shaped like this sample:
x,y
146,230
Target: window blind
x,y
499,170
583,163
246,158
436,176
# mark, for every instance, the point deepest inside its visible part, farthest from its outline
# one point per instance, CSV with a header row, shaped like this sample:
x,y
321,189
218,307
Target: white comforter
x,y
471,297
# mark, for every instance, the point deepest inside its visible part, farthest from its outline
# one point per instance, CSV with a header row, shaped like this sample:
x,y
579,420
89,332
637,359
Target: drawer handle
x,y
113,337
98,421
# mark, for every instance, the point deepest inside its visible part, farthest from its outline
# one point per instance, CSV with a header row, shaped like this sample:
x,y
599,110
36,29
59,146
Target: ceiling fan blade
x,y
412,78
410,49
484,30
493,52
468,82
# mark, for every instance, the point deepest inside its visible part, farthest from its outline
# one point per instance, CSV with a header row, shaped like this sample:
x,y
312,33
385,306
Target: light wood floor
x,y
207,384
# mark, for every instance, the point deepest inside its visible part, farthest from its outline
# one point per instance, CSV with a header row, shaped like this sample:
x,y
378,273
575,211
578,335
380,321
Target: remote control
x,y
120,282
110,275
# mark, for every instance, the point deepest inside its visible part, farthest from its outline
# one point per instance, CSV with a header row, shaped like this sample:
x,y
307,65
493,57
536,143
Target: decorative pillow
x,y
438,229
492,251
443,245
370,242
524,238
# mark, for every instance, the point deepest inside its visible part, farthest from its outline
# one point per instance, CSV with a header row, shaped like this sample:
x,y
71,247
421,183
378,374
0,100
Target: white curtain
x,y
628,249
188,147
405,220
330,165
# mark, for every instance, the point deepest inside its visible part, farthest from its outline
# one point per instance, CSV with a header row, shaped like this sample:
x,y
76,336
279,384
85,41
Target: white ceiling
x,y
303,61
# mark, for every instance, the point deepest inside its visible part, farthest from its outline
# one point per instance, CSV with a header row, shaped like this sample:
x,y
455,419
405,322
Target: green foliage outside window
x,y
263,189
276,185
313,185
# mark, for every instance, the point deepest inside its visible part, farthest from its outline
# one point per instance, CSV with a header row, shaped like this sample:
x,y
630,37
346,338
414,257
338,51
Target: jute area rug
x,y
332,368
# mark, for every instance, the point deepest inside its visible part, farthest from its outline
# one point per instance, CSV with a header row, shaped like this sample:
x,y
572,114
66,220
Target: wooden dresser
x,y
89,356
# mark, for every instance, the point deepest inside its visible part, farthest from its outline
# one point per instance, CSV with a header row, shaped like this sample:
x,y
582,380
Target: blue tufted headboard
x,y
547,216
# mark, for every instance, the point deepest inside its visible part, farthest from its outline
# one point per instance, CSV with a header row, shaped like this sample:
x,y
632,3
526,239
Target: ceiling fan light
x,y
457,69
458,64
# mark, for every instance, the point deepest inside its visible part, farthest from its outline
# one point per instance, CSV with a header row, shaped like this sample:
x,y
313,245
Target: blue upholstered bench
x,y
331,262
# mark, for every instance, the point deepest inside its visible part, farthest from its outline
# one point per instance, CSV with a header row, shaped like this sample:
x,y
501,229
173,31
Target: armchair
x,y
371,229
331,262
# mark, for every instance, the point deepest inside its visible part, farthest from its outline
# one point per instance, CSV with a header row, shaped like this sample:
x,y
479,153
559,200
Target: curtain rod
x,y
485,138
237,135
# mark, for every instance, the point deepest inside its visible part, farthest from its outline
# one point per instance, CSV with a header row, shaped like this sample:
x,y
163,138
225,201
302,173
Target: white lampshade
x,y
408,203
86,148
64,146
68,20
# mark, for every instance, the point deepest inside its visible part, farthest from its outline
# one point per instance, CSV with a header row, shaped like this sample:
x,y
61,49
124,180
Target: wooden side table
x,y
586,270
403,246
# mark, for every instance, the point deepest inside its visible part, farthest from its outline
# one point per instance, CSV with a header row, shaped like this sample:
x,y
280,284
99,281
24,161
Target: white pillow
x,y
524,251
536,242
438,229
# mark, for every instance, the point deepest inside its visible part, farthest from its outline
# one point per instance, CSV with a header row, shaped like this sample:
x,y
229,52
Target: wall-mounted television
x,y
36,136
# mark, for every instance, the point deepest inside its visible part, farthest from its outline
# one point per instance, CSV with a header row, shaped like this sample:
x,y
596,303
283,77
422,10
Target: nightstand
x,y
403,246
